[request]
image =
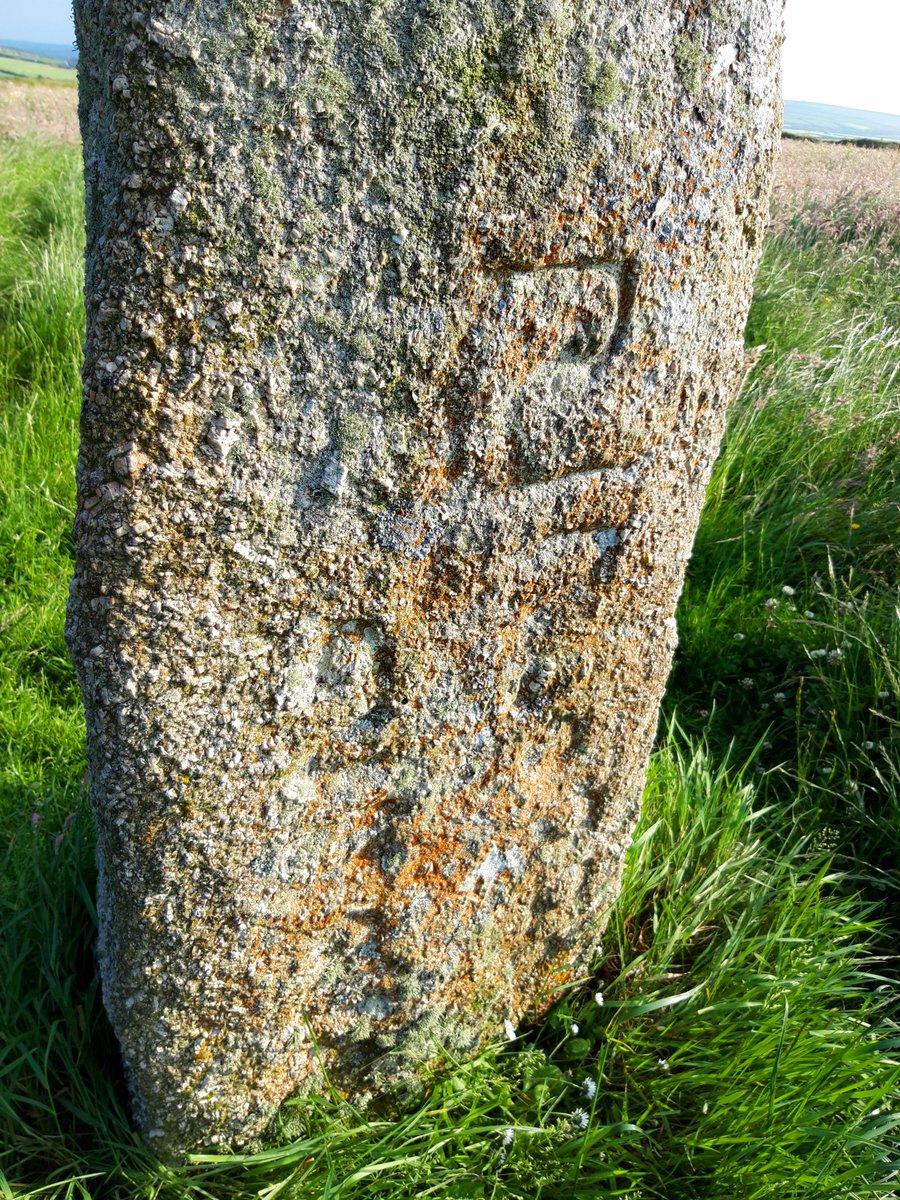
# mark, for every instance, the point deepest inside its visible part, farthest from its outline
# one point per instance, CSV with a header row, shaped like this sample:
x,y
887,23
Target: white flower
x,y
510,1030
663,1064
779,697
508,1135
810,616
598,998
574,1027
788,591
747,683
739,637
834,656
590,1088
580,1117
771,604
817,653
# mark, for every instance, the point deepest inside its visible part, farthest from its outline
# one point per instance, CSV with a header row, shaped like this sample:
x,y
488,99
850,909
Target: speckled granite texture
x,y
411,330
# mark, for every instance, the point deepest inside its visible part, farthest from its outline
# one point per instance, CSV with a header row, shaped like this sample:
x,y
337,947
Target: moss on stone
x,y
600,80
690,56
352,431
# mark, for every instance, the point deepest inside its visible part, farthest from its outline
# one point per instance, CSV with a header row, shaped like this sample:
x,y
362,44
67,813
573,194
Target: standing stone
x,y
411,330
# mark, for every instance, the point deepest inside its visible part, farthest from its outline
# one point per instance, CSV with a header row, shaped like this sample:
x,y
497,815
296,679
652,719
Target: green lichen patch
x,y
690,59
600,80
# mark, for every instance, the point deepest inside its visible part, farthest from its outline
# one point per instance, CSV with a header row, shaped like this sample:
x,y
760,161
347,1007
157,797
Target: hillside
x,y
833,122
56,52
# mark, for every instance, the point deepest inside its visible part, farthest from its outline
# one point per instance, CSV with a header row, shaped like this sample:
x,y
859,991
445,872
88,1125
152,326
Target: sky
x,y
840,53
835,52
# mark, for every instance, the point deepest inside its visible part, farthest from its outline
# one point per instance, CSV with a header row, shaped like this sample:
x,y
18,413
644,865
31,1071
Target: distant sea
x,y
832,122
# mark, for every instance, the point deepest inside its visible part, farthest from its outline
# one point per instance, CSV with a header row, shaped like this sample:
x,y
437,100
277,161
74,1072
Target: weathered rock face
x,y
411,328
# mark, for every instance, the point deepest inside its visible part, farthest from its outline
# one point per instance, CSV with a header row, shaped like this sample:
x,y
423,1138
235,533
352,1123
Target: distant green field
x,y
22,68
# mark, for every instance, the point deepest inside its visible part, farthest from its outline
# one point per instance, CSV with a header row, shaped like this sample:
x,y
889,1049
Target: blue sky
x,y
37,21
835,53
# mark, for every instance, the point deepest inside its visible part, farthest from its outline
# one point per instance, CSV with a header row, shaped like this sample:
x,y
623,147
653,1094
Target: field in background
x,y
747,1043
854,190
48,110
26,68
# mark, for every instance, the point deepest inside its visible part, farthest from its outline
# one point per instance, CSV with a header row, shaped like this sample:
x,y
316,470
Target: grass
x,y
24,68
747,1046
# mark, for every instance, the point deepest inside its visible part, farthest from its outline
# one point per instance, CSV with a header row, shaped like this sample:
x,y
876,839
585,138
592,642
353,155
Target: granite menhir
x,y
411,327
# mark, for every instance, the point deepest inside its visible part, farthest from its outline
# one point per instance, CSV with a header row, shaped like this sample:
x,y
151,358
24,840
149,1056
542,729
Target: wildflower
x,y
739,637
704,712
810,616
580,1117
508,1135
510,1030
788,590
575,1028
834,656
590,1088
598,998
35,820
771,604
779,697
817,653
57,841
663,1064
747,683
868,745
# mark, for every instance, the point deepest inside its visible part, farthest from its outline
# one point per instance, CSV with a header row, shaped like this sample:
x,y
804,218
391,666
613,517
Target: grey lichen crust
x,y
411,329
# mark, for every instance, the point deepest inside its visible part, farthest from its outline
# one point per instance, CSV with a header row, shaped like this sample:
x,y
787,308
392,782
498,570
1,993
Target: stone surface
x,y
411,330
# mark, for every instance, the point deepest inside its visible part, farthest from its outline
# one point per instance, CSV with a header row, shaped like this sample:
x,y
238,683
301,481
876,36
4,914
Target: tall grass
x,y
739,1038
